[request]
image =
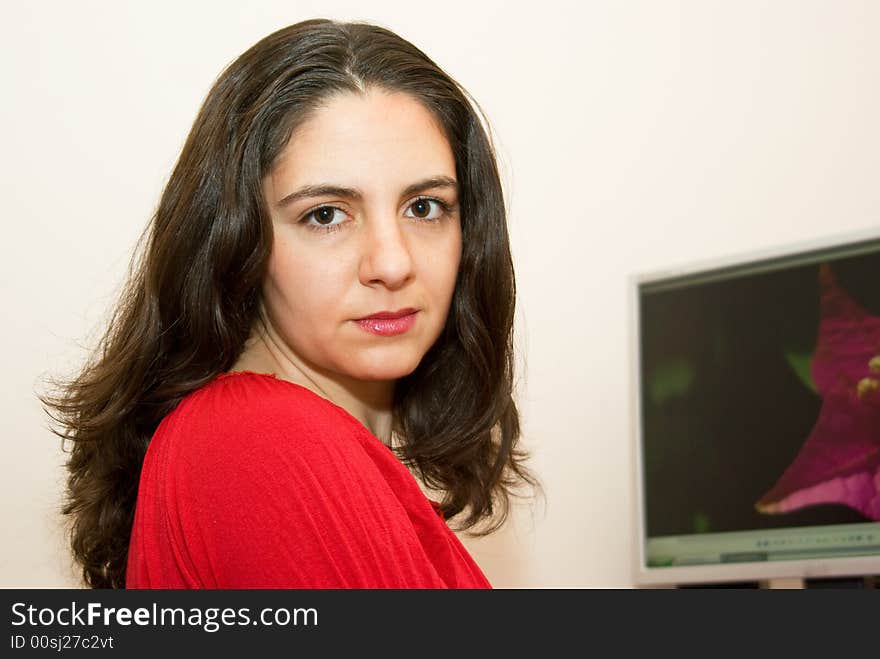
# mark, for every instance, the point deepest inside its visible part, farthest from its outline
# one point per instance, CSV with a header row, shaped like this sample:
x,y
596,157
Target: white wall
x,y
634,135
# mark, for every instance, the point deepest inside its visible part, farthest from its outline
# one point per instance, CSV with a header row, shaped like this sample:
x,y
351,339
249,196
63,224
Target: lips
x,y
389,323
389,315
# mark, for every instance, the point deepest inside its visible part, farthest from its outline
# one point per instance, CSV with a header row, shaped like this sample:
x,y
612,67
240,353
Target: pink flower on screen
x,y
840,461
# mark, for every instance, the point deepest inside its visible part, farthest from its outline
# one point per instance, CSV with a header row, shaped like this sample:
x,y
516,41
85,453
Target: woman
x,y
328,270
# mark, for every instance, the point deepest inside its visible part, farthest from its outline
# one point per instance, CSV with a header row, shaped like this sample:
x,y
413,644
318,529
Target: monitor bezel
x,y
810,251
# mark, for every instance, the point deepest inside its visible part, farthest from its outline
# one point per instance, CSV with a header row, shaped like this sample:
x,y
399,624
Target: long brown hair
x,y
193,293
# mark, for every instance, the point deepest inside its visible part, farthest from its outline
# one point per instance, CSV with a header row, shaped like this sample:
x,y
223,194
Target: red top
x,y
257,482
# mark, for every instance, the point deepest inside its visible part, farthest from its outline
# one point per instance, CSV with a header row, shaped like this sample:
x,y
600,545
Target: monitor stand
x,y
782,583
868,581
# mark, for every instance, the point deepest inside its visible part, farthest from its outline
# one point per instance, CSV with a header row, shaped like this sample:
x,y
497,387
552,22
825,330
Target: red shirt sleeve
x,y
254,482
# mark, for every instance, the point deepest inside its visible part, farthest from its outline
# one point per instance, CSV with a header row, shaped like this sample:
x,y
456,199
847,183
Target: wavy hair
x,y
193,292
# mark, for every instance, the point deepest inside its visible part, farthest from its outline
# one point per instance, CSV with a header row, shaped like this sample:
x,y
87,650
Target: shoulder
x,y
245,477
248,426
256,397
256,482
253,408
255,438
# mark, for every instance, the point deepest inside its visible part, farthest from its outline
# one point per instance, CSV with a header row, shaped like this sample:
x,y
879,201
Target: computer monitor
x,y
757,397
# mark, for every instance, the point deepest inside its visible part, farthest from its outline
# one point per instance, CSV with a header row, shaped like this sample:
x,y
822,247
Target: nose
x,y
386,258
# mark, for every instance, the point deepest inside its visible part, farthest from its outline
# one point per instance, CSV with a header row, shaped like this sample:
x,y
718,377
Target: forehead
x,y
365,140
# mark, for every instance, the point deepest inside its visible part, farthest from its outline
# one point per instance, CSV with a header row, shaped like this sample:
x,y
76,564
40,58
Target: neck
x,y
370,402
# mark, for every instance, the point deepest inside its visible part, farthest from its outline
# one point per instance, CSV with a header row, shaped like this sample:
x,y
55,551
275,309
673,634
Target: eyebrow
x,y
323,189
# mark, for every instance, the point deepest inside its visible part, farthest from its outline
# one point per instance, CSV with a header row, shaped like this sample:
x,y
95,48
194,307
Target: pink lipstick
x,y
389,323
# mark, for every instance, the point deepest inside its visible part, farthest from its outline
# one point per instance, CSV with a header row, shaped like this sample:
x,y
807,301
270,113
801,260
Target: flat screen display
x,y
759,422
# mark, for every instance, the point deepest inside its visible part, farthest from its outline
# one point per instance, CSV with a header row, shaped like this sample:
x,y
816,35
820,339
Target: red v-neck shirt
x,y
256,482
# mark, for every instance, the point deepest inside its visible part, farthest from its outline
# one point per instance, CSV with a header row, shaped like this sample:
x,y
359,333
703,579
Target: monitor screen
x,y
759,417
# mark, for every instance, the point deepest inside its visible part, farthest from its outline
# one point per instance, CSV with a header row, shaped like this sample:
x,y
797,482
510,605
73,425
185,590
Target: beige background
x,y
634,136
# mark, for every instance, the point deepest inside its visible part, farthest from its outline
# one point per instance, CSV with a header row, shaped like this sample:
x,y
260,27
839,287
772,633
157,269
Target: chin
x,y
384,374
384,369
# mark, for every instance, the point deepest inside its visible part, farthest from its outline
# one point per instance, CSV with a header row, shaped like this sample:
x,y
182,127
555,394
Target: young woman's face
x,y
364,205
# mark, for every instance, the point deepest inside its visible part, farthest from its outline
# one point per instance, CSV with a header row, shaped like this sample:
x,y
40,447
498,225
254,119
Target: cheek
x,y
447,269
439,270
301,286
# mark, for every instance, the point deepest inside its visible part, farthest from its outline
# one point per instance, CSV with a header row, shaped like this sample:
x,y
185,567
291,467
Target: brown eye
x,y
426,209
325,219
421,208
324,215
